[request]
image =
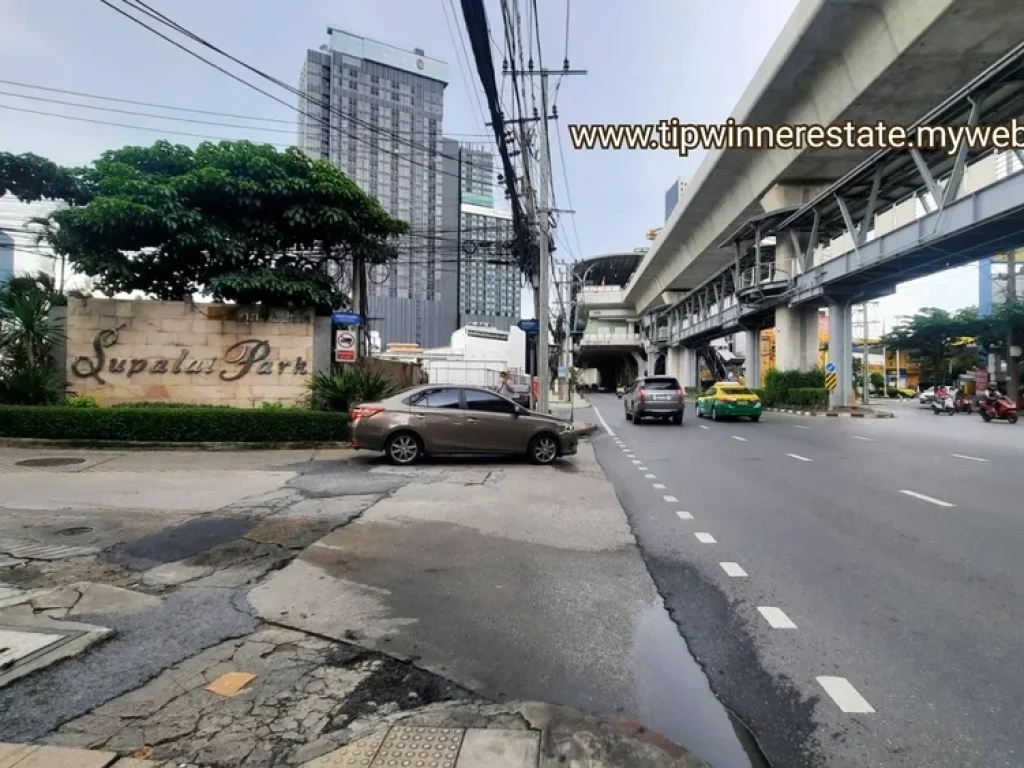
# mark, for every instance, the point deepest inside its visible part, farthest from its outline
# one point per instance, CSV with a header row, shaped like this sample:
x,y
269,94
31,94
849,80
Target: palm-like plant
x,y
27,337
27,334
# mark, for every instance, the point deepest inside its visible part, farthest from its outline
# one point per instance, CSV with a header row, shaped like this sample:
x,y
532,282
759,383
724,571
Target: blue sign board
x,y
529,326
830,367
346,318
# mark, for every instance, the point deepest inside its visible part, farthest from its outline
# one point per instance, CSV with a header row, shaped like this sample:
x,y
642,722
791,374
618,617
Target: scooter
x,y
620,391
998,407
943,405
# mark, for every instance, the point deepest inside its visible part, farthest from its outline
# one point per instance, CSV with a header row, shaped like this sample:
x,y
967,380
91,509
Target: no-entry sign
x,y
344,346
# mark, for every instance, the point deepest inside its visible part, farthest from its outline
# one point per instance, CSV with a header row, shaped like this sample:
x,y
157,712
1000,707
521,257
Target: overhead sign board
x,y
346,318
529,326
344,347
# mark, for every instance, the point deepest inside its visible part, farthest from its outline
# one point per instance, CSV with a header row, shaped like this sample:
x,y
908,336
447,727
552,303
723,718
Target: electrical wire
x,y
143,7
233,76
481,136
464,56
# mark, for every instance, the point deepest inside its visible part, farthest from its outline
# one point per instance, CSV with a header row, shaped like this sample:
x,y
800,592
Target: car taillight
x,y
641,394
680,397
364,412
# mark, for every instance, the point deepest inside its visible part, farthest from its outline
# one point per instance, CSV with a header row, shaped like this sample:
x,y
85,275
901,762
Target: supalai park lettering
x,y
246,357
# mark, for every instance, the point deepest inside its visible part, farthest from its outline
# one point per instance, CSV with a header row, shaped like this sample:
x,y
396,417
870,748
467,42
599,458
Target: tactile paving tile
x,y
358,754
419,747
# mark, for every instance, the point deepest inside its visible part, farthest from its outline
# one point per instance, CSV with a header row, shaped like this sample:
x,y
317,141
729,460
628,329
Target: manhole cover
x,y
51,462
76,530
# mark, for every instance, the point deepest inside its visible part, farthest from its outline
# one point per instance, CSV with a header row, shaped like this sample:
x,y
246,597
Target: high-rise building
x,y
479,239
375,111
674,194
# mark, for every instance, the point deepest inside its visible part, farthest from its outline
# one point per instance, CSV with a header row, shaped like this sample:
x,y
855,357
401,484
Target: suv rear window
x,y
662,384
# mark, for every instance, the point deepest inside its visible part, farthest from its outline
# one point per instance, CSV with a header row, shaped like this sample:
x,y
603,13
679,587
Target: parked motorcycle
x,y
997,406
943,403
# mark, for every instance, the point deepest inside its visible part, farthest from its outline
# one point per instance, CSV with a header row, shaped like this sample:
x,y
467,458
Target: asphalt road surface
x,y
854,589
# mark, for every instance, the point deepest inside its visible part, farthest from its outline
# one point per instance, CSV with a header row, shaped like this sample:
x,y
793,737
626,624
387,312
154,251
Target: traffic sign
x,y
529,326
831,381
830,367
345,347
346,318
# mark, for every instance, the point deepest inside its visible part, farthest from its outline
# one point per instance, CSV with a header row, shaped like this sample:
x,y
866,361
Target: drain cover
x,y
49,462
75,530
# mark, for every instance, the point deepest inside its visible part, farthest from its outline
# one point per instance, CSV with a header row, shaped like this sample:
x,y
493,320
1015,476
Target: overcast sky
x,y
647,59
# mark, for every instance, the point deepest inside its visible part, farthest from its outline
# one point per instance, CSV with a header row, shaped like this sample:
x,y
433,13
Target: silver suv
x,y
658,397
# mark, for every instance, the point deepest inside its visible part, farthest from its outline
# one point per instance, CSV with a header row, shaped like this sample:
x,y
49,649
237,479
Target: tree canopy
x,y
234,220
934,335
30,178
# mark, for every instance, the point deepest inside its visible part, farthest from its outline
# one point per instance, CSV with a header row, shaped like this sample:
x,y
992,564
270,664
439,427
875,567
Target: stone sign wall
x,y
123,351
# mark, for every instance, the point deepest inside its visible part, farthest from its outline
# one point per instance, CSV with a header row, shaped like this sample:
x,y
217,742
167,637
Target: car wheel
x,y
403,448
543,448
629,416
756,418
677,420
714,413
637,418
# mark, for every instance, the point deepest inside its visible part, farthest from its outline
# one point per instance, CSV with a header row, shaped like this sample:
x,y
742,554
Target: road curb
x,y
835,414
31,442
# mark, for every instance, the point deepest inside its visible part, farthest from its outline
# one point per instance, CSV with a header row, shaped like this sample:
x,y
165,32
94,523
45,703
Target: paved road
x,y
854,589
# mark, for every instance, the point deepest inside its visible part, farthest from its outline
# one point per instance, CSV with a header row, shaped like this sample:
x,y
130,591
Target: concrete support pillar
x,y
685,366
796,338
752,344
840,350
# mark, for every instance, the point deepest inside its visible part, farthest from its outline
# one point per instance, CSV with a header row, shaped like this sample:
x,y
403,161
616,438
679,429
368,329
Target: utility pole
x,y
866,371
1012,372
542,295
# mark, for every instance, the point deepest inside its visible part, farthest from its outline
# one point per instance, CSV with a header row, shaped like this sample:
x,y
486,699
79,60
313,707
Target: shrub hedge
x,y
172,425
808,397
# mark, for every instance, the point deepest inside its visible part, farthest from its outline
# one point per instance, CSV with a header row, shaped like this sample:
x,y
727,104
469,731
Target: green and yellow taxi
x,y
728,399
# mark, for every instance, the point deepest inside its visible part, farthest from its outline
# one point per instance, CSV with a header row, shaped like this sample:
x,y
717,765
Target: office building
x,y
478,239
674,195
375,112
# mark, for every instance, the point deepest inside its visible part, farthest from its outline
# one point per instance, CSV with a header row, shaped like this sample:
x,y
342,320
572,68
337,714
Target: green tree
x,y
234,220
934,336
30,177
877,381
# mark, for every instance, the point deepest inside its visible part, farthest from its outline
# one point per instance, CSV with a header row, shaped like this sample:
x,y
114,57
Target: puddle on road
x,y
676,700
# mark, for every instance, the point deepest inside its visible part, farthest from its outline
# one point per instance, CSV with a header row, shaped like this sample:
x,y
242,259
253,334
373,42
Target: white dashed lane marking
x,y
798,457
604,423
967,458
704,426
865,439
845,695
684,515
733,570
741,439
649,476
636,461
800,426
705,538
642,469
670,499
659,486
929,499
776,618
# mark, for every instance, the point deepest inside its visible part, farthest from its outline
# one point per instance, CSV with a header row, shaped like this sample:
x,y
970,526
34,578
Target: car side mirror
x,y
519,411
